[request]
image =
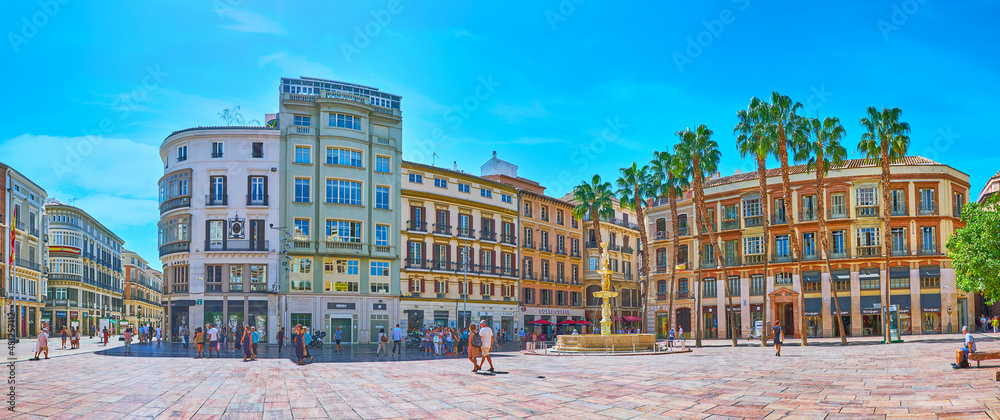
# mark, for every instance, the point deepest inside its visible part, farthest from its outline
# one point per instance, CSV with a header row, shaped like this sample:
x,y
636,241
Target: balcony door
x,y
256,230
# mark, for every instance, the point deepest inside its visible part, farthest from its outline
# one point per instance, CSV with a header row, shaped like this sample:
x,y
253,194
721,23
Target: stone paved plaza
x,y
820,381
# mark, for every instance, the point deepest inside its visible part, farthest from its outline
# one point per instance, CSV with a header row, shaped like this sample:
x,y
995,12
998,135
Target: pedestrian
x,y
199,341
254,341
382,341
93,330
64,336
306,339
213,341
237,339
474,343
449,340
106,335
520,334
337,336
670,339
436,339
184,334
297,343
779,336
427,341
128,340
42,345
78,337
159,335
397,340
680,335
246,341
281,338
486,334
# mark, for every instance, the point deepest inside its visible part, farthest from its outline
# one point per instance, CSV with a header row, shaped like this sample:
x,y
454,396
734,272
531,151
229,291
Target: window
x,y
343,157
345,275
216,149
382,198
182,153
928,204
236,278
838,242
345,121
301,190
213,278
809,244
302,227
382,164
378,279
343,231
257,150
303,154
757,287
440,183
506,198
869,278
753,245
486,193
463,187
343,192
527,209
928,240
382,235
781,245
751,206
544,213
734,286
838,206
897,202
416,178
784,279
930,277
869,237
301,120
898,238
258,278
708,288
416,253
302,319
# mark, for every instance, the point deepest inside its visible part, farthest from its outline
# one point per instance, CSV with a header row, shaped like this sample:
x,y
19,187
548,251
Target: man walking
x,y
486,333
185,333
128,340
397,339
281,338
43,344
520,334
213,340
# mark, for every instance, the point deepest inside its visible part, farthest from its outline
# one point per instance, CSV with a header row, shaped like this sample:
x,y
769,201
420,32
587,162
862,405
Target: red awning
x,y
618,319
541,322
567,322
584,323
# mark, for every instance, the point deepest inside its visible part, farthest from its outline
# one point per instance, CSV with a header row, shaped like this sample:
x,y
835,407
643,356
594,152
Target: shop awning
x,y
567,322
930,300
813,306
845,306
899,272
540,322
812,276
902,303
582,322
871,305
841,275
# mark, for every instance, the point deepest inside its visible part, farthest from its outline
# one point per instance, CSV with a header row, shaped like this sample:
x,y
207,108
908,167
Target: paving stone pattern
x,y
822,381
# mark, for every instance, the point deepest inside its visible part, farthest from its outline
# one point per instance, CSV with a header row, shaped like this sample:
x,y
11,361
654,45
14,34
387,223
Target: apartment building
x,y
142,292
86,275
461,249
340,157
24,265
926,203
216,239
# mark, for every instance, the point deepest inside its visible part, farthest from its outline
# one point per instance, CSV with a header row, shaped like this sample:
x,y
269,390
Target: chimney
x,y
455,166
494,154
739,172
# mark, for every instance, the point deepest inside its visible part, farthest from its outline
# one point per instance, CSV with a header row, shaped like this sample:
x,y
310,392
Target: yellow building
x,y
143,286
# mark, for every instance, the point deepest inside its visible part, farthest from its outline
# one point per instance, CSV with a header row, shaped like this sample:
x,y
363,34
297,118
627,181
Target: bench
x,y
984,355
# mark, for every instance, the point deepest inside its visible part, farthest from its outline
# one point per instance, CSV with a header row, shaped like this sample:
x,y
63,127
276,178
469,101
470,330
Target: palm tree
x,y
822,152
672,187
753,139
594,201
885,139
697,155
786,126
634,186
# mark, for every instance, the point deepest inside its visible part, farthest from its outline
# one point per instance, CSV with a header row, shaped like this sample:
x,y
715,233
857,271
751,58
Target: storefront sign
x,y
506,314
379,306
73,314
812,313
441,314
547,311
734,308
934,310
871,311
60,314
335,305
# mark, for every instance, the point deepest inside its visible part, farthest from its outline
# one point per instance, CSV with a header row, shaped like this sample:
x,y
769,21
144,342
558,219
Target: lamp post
x,y
949,320
465,284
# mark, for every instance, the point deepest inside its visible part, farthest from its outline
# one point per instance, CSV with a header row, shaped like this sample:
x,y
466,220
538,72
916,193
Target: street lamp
x,y
949,320
465,284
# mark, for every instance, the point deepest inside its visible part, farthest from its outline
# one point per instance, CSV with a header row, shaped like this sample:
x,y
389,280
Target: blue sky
x,y
564,90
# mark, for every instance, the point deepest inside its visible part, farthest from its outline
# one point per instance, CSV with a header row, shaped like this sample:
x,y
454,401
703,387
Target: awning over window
x,y
930,271
899,272
902,302
845,306
871,305
841,275
868,274
813,306
930,300
811,276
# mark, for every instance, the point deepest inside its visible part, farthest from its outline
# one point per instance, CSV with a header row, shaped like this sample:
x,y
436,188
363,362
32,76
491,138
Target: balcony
x,y
866,211
836,213
592,245
660,269
683,231
928,209
442,230
19,226
412,264
174,248
528,245
560,251
731,224
754,259
628,277
488,236
175,203
216,200
545,277
561,279
779,219
333,245
900,250
575,281
733,261
416,226
237,245
508,272
929,249
530,276
506,238
33,231
300,129
615,248
31,265
842,255
810,255
781,258
544,218
899,211
753,221
708,264
575,253
257,200
465,232
661,235
300,244
682,294
869,251
216,155
441,265
807,215
627,250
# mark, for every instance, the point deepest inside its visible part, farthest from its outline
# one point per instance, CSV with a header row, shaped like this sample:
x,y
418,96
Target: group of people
x,y
985,324
439,341
147,333
73,335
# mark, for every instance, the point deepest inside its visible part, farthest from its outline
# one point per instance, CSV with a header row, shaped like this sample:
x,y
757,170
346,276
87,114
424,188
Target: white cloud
x,y
296,65
511,113
252,22
119,213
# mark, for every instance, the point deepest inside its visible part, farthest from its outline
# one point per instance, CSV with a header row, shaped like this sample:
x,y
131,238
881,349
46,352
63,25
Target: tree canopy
x,y
975,250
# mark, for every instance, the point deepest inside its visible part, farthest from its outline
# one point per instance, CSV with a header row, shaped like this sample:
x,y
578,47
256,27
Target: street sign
x,y
198,302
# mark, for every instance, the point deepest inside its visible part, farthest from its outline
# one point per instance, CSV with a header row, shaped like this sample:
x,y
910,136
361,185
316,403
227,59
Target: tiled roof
x,y
798,169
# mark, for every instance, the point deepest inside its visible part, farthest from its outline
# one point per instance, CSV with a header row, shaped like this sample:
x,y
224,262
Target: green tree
x,y
822,152
595,201
885,140
697,156
671,187
975,250
635,186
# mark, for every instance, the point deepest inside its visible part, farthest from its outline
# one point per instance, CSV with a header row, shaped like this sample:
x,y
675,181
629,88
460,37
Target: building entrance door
x,y
346,328
788,317
684,319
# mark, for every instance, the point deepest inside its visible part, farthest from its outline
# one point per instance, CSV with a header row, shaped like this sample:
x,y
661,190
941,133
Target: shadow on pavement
x,y
351,353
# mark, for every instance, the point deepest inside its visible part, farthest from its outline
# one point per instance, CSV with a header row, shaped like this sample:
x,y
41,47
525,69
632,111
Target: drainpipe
x,y
519,262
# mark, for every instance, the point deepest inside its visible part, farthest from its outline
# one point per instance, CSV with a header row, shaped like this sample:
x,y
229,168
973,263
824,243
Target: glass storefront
x,y
236,319
257,318
871,315
814,318
710,324
734,321
213,312
902,303
441,319
662,325
930,307
414,320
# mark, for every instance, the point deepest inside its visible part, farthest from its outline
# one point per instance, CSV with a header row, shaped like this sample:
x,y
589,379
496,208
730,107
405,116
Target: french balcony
x,y
928,209
442,230
930,249
506,238
866,211
546,277
175,203
731,224
660,269
441,265
753,221
257,200
216,155
807,215
245,245
836,213
661,235
416,226
561,279
33,231
592,245
754,259
628,277
31,265
615,248
779,219
560,251
782,257
627,250
683,231
841,255
216,200
300,243
545,218
488,236
528,245
900,251
810,255
682,294
869,251
576,282
575,253
414,264
19,226
957,210
465,232
708,264
899,211
661,296
733,261
508,272
530,276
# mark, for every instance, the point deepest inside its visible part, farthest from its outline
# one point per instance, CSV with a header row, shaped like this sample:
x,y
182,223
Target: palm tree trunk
x,y
595,221
886,238
641,279
824,247
793,237
673,268
762,185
